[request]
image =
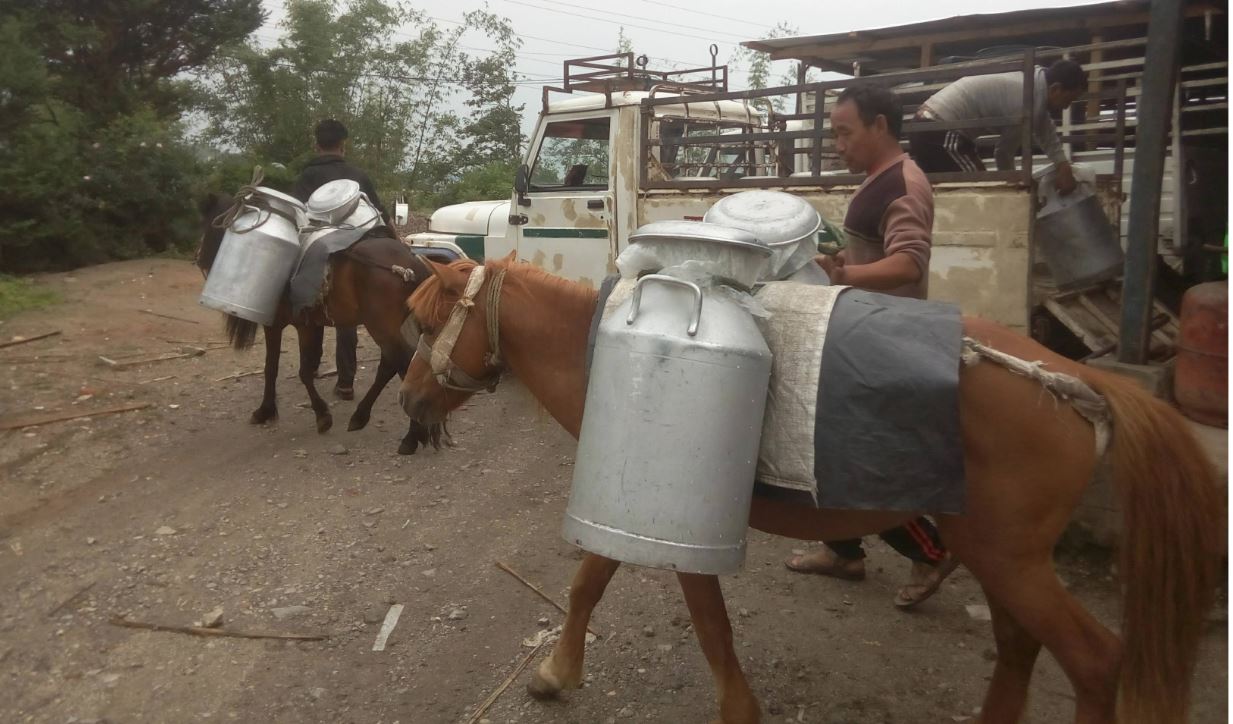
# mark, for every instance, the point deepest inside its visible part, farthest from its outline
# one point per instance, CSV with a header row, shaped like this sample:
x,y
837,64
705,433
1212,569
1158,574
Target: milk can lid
x,y
699,231
334,196
775,217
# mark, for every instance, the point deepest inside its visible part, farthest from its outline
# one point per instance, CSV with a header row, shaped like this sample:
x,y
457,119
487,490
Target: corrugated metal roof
x,y
954,24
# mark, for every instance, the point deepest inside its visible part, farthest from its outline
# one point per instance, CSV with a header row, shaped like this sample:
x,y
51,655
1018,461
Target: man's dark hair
x,y
872,101
1068,73
330,134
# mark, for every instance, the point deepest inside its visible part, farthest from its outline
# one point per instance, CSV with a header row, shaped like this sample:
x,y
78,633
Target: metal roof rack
x,y
618,72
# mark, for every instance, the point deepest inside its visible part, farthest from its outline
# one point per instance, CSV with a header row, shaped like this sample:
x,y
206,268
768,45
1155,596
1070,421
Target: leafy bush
x,y
71,196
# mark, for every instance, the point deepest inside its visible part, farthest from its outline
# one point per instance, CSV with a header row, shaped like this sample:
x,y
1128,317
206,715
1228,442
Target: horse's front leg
x,y
737,704
563,669
363,411
273,349
312,338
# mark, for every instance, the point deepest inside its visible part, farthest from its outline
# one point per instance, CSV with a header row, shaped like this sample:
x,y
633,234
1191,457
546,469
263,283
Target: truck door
x,y
568,206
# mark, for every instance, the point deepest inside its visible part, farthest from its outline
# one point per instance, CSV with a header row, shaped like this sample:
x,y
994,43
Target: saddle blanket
x,y
308,280
880,429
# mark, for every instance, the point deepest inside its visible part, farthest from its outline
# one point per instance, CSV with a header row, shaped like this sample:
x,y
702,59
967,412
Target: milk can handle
x,y
637,298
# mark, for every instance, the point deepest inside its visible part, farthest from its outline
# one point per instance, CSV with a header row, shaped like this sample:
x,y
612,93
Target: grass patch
x,y
19,295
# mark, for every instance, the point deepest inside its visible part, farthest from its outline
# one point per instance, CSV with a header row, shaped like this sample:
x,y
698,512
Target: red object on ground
x,y
1201,379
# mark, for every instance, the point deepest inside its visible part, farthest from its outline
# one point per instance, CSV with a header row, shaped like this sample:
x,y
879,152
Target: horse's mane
x,y
427,302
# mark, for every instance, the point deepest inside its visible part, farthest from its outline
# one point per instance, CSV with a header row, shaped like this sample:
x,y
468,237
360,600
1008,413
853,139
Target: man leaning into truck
x,y
998,95
889,230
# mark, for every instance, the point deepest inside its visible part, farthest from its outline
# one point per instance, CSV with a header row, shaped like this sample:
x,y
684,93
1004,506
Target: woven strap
x,y
443,350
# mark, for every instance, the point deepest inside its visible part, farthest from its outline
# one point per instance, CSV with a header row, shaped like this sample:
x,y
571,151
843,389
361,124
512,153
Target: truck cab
x,y
575,198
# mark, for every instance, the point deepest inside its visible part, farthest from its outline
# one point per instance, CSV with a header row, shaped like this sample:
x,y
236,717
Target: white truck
x,y
628,146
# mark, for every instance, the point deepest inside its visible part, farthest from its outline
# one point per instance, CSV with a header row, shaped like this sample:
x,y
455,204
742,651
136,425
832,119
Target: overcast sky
x,y
676,33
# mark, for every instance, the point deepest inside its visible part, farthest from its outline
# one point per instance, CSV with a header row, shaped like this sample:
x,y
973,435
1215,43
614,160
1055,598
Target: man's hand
x,y
1064,179
832,265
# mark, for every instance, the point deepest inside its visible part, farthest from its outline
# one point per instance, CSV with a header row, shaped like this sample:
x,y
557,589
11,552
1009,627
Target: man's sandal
x,y
917,592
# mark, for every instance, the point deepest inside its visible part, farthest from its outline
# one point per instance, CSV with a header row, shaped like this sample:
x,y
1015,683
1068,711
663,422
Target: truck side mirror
x,y
522,179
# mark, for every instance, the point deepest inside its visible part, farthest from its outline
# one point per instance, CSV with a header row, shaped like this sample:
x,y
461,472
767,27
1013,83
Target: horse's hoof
x,y
357,422
261,416
324,423
408,447
541,689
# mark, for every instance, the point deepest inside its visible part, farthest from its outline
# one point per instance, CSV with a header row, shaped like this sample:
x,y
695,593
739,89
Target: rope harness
x,y
440,351
247,199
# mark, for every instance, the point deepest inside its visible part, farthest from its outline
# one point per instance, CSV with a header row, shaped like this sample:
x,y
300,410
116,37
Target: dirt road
x,y
165,513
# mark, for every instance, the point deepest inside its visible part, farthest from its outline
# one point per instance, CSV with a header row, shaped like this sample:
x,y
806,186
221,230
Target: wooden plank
x,y
18,423
1099,314
24,340
1079,329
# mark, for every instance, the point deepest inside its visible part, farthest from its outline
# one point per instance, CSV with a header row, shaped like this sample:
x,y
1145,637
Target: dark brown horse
x,y
1028,457
362,290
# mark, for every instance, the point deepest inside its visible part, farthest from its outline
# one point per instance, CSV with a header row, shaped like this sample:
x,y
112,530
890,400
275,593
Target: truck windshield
x,y
573,155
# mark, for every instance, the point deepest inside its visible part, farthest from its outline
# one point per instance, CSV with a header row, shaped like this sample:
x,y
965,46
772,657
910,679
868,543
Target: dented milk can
x,y
259,251
669,443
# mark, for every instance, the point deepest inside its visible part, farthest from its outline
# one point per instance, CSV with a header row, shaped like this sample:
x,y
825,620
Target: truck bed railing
x,y
782,145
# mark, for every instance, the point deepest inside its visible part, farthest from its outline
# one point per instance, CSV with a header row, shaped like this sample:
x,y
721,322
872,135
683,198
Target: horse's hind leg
x,y
269,404
363,411
563,669
737,704
1030,592
1017,650
311,340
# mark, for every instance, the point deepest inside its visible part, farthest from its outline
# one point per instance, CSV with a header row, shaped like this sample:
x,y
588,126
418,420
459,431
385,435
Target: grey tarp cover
x,y
309,275
887,432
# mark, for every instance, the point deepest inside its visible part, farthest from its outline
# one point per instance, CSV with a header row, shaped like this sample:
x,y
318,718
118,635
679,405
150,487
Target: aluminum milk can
x,y
255,260
669,443
1073,234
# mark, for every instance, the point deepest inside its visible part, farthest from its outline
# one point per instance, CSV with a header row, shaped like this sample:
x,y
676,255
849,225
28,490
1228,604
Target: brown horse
x,y
1028,459
362,290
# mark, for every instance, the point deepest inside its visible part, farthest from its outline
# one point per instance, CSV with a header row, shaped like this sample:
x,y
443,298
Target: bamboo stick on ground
x,y
23,340
47,419
167,316
202,631
541,594
492,698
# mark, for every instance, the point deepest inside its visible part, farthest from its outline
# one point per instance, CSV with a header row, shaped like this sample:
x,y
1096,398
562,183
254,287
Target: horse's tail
x,y
241,333
1170,549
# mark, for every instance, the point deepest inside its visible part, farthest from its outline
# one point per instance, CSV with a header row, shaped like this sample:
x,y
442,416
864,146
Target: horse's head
x,y
456,355
211,206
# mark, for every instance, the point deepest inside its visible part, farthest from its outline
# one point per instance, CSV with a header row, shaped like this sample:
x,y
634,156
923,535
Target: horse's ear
x,y
511,257
452,280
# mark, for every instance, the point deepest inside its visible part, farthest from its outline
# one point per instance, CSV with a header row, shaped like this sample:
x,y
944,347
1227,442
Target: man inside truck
x,y
998,95
889,229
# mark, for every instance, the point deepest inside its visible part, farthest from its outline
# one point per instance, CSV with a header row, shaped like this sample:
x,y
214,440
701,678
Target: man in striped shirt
x,y
998,95
889,228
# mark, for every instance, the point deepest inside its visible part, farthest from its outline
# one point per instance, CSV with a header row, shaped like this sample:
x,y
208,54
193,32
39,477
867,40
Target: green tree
x,y
760,66
390,74
92,160
116,57
624,45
